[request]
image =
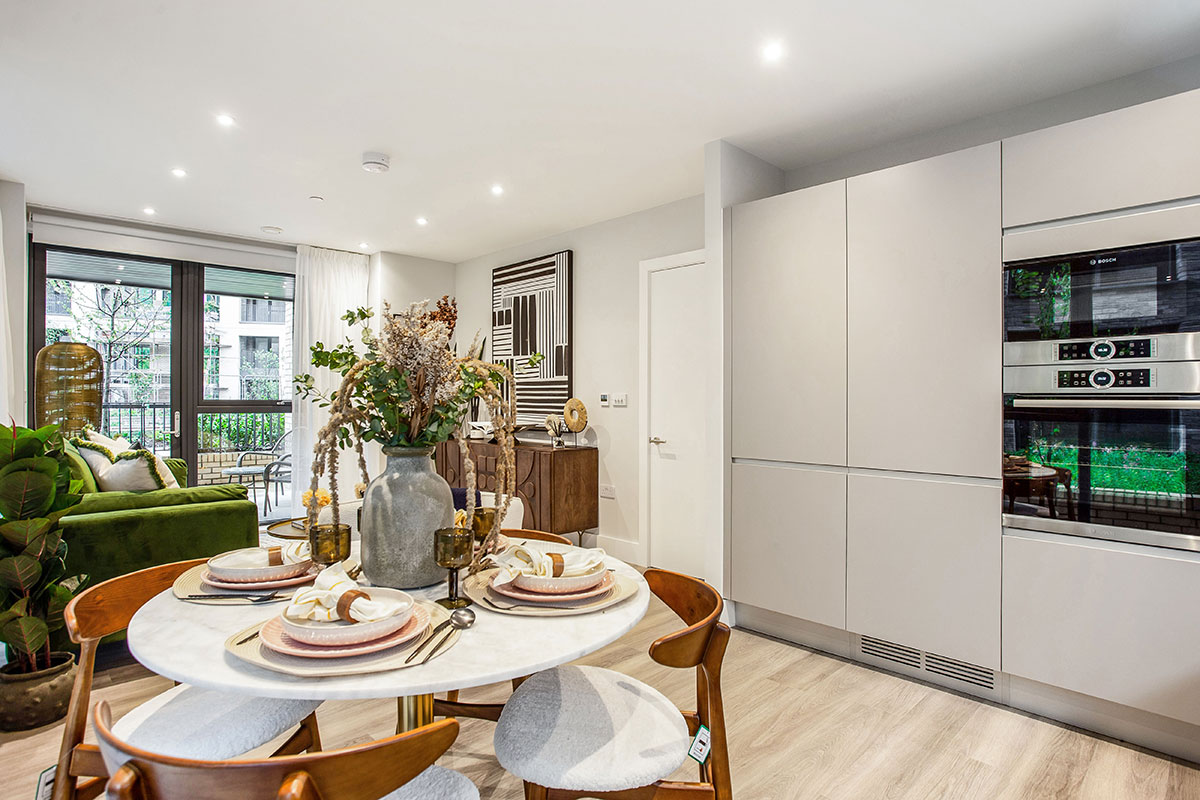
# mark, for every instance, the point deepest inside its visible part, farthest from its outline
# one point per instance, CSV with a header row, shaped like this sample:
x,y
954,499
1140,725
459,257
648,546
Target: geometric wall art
x,y
531,313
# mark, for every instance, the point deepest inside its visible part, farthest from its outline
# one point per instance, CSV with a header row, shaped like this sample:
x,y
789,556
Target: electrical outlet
x,y
620,400
607,490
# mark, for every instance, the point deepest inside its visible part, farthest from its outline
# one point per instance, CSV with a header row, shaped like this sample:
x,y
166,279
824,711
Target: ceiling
x,y
582,111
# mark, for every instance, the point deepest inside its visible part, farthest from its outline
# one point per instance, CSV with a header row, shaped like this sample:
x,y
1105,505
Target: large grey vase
x,y
402,508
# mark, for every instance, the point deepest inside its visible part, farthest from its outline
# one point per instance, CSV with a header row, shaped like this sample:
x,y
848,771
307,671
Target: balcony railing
x,y
150,426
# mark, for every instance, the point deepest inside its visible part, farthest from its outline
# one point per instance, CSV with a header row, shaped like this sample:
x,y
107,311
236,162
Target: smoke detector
x,y
375,162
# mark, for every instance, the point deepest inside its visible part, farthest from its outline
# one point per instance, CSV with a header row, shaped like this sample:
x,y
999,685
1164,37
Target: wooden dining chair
x,y
492,710
181,721
397,768
575,732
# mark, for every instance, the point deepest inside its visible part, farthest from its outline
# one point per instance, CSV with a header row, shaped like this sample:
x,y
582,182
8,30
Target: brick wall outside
x,y
211,465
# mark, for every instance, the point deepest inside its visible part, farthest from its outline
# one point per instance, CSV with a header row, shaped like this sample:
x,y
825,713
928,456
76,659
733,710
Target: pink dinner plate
x,y
207,578
508,590
274,638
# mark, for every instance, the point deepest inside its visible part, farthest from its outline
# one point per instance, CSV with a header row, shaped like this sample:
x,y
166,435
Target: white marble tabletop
x,y
186,642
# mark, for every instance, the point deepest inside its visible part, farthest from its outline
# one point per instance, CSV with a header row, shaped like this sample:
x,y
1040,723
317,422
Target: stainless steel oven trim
x,y
1103,402
1110,533
1169,378
1167,347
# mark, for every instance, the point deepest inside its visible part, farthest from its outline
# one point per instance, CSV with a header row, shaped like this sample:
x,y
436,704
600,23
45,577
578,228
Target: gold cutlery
x,y
441,626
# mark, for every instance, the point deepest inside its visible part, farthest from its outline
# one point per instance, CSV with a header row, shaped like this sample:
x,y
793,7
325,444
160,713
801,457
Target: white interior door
x,y
677,365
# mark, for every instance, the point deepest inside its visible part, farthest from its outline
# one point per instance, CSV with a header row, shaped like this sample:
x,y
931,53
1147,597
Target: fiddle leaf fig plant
x,y
35,493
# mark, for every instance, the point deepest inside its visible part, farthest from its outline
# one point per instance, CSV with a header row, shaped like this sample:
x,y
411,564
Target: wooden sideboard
x,y
559,487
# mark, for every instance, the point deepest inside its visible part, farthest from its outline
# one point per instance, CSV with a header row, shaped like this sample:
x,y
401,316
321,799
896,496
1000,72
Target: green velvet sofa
x,y
115,533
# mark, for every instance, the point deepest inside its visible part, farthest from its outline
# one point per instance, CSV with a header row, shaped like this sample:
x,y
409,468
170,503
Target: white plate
x,y
544,585
207,579
279,572
275,637
342,633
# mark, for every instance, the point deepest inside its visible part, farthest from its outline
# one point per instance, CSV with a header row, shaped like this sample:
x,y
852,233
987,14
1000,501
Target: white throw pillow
x,y
117,468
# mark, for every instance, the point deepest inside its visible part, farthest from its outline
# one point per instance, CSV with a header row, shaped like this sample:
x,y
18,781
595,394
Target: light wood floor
x,y
801,725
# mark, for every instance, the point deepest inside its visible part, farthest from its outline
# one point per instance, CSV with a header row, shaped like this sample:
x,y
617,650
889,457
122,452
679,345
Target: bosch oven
x,y
1102,395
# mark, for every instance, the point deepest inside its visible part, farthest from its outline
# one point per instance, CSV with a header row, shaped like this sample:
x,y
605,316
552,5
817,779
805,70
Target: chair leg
x,y
535,792
307,738
516,682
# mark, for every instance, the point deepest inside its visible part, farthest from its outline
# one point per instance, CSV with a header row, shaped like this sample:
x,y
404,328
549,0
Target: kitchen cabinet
x,y
1115,621
1134,156
788,327
789,541
924,328
923,564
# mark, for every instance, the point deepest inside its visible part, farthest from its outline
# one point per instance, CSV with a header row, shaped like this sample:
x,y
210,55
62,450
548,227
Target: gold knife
x,y
432,634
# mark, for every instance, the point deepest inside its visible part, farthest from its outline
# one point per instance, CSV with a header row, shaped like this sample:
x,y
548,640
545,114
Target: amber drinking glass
x,y
452,549
329,544
482,523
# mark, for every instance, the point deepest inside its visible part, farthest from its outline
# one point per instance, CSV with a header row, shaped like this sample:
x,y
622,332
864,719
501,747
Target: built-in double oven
x,y
1102,394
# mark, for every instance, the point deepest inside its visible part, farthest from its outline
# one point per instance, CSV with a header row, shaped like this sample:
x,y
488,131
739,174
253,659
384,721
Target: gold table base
x,y
413,711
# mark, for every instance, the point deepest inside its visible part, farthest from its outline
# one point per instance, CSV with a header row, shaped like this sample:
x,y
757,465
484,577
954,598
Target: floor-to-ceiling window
x,y
198,358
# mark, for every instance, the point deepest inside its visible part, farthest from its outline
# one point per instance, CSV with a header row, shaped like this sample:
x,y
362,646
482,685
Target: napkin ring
x,y
274,556
346,600
559,564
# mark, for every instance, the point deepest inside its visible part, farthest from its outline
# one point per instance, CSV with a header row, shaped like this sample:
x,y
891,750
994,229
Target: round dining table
x,y
185,642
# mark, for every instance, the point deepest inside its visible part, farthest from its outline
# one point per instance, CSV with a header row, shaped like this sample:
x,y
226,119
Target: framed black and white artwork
x,y
531,313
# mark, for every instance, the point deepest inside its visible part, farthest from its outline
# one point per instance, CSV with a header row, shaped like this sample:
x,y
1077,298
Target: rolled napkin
x,y
522,560
324,601
254,558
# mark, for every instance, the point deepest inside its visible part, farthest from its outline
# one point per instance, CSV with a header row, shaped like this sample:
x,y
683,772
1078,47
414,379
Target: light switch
x,y
620,400
607,490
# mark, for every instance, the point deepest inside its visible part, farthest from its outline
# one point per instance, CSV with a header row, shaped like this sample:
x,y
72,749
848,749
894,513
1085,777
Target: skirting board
x,y
1132,725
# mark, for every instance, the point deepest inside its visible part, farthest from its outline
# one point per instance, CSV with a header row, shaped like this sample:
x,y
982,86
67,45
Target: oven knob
x,y
1102,350
1101,379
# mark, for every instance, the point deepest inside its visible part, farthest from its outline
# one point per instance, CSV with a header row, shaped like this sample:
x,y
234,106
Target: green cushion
x,y
178,468
80,471
122,501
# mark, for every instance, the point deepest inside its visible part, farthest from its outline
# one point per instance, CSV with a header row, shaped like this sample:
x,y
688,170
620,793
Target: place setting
x,y
340,627
545,580
250,575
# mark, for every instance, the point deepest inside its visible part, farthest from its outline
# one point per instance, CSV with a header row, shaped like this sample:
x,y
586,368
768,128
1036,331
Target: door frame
x,y
691,258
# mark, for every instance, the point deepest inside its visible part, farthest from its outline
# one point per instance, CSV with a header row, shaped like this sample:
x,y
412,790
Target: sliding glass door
x,y
197,357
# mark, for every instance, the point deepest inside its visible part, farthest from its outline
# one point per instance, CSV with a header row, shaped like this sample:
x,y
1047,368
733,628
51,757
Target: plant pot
x,y
402,508
30,700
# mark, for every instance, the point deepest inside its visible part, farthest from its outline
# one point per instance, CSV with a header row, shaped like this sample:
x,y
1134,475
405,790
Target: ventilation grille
x,y
960,671
890,651
916,659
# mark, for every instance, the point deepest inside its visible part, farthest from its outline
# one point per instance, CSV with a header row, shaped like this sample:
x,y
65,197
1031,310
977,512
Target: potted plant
x,y
408,391
35,492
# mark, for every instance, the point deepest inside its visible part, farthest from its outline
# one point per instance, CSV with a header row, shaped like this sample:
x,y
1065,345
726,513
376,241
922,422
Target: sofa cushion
x,y
80,471
116,466
178,468
122,501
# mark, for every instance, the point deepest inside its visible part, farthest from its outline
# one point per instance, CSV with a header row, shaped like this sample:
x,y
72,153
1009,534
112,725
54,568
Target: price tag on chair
x,y
45,784
701,744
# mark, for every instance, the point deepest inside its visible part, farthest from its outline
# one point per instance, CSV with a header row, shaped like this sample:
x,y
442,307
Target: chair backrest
x,y
363,772
697,604
107,607
281,444
525,533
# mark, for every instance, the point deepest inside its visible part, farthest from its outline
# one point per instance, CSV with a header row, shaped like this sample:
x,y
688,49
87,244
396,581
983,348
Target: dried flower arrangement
x,y
409,389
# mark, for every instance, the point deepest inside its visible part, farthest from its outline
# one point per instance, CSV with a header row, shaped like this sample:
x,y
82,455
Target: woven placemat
x,y
189,583
254,652
476,588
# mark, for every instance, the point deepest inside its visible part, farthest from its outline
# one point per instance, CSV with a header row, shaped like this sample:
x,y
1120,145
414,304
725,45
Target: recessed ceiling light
x,y
120,267
375,162
224,120
179,172
772,52
364,246
272,229
316,198
148,211
422,221
118,281
497,189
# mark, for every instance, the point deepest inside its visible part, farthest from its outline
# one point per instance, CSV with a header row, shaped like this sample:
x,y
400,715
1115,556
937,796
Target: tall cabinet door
x,y
924,304
789,322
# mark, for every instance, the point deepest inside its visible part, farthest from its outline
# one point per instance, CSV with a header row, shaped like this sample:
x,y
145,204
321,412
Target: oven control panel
x,y
1105,378
1104,349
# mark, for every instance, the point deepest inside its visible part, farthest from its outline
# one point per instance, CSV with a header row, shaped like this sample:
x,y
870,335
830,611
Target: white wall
x,y
1141,87
16,272
408,279
606,337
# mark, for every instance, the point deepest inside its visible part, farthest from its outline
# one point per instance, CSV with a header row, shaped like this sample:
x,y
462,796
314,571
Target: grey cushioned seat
x,y
436,783
590,729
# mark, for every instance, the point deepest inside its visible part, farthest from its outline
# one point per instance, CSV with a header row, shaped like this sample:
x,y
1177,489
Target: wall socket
x,y
620,400
608,491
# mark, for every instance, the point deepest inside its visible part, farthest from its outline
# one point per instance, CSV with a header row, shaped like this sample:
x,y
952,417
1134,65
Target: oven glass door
x,y
1131,292
1130,468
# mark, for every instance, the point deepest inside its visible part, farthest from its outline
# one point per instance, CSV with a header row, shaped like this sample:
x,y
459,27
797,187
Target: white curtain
x,y
12,401
328,283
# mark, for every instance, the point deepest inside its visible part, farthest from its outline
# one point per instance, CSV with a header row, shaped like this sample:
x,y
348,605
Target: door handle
x,y
175,431
656,440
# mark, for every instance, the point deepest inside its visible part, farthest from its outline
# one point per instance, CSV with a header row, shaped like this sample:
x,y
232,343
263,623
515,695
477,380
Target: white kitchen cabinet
x,y
789,541
1134,156
923,564
924,316
1115,621
788,327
